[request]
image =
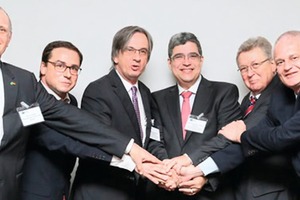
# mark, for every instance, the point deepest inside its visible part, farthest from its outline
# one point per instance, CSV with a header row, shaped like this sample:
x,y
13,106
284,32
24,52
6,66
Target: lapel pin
x,y
13,83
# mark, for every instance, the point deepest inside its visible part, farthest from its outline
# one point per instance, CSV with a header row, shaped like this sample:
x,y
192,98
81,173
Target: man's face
x,y
258,77
60,82
132,62
287,59
186,64
5,33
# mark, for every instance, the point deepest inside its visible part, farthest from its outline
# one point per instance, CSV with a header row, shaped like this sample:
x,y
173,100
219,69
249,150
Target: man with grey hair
x,y
211,105
279,129
258,71
118,99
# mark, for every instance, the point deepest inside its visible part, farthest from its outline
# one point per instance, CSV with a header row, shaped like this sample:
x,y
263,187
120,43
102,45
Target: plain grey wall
x,y
221,26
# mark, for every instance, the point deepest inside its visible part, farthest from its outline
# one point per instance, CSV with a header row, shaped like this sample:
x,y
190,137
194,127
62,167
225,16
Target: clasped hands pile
x,y
169,174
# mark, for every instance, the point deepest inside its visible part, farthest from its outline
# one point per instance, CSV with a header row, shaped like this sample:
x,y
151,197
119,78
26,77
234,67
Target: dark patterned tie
x,y
136,109
250,107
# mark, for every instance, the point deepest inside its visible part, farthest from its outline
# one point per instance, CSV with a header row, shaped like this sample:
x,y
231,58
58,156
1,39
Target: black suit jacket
x,y
56,156
108,100
218,101
21,85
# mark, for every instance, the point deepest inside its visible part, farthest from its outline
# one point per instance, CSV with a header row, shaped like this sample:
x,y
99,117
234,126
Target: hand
x,y
233,130
140,156
189,172
178,162
172,182
155,173
193,186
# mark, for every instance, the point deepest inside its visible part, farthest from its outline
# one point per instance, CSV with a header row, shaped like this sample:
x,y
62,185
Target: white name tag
x,y
155,134
196,123
30,114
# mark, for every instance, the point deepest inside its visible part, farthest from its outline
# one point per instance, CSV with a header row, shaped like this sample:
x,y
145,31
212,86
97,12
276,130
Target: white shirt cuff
x,y
129,146
208,166
125,162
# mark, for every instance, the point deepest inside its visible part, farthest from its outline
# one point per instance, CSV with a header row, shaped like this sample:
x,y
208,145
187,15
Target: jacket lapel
x,y
173,105
201,102
122,94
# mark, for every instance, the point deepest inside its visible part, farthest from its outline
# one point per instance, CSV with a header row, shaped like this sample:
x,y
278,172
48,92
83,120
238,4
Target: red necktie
x,y
251,106
186,110
136,109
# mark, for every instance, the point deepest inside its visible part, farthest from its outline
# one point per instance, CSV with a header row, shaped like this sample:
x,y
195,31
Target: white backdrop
x,y
221,26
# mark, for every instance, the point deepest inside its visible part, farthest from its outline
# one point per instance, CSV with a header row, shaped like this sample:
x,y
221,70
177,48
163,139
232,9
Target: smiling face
x,y
131,62
188,68
60,82
257,79
287,59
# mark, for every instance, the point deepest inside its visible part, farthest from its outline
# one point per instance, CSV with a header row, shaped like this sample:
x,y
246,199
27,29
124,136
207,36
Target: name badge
x,y
155,134
30,114
196,123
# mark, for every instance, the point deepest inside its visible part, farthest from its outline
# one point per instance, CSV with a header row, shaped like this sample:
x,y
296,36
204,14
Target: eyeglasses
x,y
132,51
181,57
244,68
61,67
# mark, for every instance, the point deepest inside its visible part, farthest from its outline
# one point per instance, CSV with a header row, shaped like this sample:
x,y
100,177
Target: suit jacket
x,y
21,85
255,177
218,101
56,155
108,100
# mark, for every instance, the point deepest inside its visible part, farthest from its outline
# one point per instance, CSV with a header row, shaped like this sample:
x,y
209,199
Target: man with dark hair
x,y
210,104
55,153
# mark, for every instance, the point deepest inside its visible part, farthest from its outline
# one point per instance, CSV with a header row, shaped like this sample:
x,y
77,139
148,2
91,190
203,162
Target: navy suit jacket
x,y
56,155
218,101
279,130
21,85
108,100
255,177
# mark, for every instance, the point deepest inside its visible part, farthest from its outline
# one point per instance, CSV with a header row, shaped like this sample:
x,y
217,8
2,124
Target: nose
x,y
137,56
67,72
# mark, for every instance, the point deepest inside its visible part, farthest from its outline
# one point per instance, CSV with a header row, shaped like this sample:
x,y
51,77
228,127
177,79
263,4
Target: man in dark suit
x,y
213,105
253,181
277,132
55,153
21,88
110,99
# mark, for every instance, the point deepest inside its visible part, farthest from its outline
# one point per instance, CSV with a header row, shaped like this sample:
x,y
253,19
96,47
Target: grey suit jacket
x,y
21,85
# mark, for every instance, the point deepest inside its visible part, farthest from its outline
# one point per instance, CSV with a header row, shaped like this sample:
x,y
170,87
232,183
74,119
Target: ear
x,y
169,63
43,68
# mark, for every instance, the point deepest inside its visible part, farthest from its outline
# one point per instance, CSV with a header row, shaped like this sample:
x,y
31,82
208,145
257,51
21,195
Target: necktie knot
x,y
186,94
252,100
134,90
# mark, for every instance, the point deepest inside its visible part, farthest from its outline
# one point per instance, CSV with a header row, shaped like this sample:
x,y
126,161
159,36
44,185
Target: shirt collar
x,y
193,88
126,84
67,98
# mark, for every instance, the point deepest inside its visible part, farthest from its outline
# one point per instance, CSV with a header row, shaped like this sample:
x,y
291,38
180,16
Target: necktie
x,y
185,110
251,106
136,109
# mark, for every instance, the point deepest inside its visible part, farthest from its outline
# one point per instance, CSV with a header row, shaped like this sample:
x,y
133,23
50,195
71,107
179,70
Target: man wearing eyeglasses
x,y
55,153
279,129
25,102
122,101
257,181
211,105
